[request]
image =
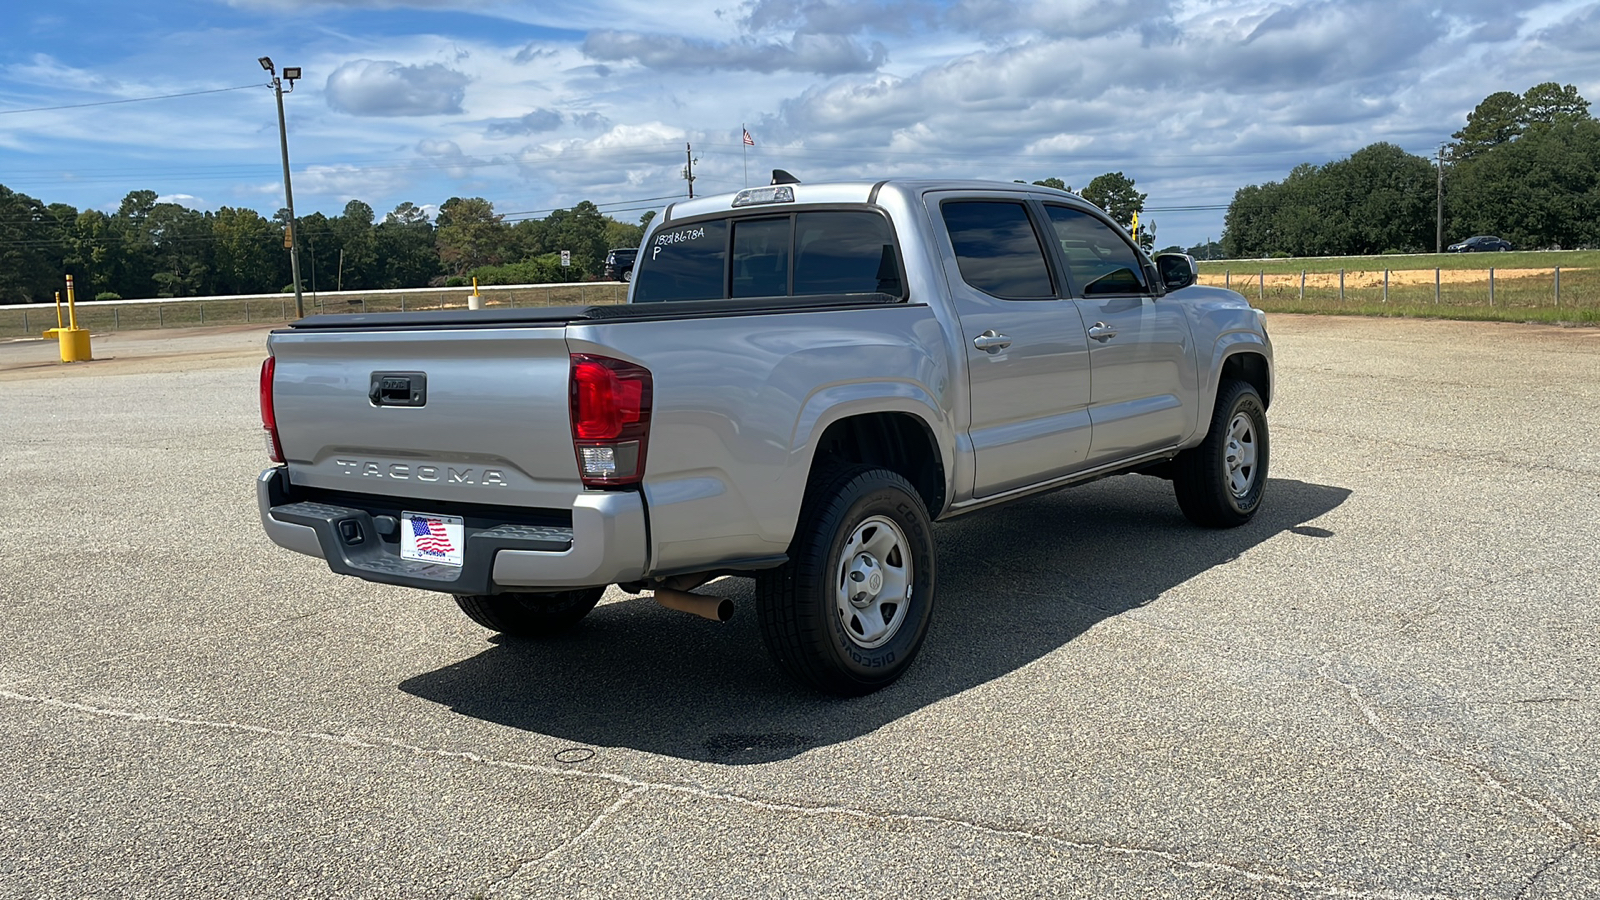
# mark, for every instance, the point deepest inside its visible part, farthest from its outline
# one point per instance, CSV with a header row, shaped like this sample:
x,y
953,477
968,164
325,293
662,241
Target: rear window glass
x,y
688,262
804,254
997,249
761,257
845,253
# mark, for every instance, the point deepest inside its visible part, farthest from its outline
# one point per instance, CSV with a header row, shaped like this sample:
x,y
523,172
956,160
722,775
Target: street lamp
x,y
291,73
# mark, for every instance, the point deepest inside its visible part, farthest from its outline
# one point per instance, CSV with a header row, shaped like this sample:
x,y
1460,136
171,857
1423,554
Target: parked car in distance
x,y
619,263
1480,244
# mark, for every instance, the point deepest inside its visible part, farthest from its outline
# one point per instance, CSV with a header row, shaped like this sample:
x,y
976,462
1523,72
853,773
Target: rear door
x,y
1027,355
1140,348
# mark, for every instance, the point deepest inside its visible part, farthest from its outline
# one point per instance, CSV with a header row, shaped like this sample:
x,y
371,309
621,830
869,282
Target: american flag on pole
x,y
431,537
748,140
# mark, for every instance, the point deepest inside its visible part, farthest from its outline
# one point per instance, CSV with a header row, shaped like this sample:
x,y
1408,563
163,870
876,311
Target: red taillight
x,y
610,402
269,419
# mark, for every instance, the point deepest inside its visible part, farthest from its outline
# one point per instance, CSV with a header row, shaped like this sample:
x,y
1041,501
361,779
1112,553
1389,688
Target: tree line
x,y
149,248
1526,167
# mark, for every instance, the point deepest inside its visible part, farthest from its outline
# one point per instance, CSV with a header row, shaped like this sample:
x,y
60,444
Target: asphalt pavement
x,y
1386,686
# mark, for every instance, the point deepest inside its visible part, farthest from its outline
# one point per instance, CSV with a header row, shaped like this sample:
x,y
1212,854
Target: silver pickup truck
x,y
805,377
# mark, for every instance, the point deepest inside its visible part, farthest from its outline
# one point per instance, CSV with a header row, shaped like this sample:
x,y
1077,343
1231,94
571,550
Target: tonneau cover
x,y
558,315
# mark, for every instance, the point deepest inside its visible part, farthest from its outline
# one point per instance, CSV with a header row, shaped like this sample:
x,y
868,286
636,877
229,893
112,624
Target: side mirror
x,y
1178,270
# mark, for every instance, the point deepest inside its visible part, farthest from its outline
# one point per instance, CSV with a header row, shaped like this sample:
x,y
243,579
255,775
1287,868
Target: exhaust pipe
x,y
717,609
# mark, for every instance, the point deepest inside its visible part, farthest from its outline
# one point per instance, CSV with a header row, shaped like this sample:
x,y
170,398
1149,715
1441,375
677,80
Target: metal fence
x,y
1492,288
190,312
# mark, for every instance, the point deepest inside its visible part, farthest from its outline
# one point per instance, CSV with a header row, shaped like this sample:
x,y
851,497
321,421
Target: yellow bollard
x,y
474,299
74,341
53,332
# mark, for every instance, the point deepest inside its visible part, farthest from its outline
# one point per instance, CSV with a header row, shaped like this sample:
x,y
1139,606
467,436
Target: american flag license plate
x,y
428,538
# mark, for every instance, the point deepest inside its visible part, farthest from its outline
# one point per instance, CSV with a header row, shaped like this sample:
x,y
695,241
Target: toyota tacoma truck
x,y
803,379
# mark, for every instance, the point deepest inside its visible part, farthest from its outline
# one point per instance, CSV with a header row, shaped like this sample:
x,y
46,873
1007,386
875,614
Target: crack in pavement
x,y
1479,773
1497,458
1548,865
637,787
569,843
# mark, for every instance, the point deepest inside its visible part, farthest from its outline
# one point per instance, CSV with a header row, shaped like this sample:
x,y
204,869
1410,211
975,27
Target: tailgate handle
x,y
398,389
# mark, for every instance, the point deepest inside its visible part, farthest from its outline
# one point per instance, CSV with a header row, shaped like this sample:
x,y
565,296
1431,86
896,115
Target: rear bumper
x,y
606,544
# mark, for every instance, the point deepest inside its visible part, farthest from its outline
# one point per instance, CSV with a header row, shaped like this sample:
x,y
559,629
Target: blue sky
x,y
539,105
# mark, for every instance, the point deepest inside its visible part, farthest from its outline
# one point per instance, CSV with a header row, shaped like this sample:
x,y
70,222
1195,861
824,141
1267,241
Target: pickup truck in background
x,y
805,377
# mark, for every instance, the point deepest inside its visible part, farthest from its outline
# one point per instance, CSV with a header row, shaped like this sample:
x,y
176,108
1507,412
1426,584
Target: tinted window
x,y
761,257
997,249
684,263
845,253
1099,261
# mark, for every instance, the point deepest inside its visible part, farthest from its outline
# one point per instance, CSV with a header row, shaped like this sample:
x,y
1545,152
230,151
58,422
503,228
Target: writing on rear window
x,y
667,238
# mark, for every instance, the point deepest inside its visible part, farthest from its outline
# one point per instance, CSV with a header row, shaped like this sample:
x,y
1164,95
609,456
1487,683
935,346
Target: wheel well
x,y
1250,367
899,442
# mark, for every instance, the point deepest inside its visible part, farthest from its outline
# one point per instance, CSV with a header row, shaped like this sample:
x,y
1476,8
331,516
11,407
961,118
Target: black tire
x,y
817,630
530,615
627,275
1220,483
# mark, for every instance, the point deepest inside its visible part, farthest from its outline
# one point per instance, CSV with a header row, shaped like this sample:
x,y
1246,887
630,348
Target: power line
x,y
8,112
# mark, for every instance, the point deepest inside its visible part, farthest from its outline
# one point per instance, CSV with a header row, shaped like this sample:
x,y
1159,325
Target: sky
x,y
539,105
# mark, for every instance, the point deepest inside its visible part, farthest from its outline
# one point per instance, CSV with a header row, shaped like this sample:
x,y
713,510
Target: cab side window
x,y
1099,261
997,249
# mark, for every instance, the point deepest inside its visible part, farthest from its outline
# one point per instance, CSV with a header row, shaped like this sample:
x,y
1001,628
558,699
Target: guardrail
x,y
31,319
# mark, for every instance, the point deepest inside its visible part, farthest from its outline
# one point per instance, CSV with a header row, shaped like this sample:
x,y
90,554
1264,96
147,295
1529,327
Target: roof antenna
x,y
779,176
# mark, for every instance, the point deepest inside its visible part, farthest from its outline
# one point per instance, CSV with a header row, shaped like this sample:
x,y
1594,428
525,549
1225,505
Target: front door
x,y
1027,355
1140,348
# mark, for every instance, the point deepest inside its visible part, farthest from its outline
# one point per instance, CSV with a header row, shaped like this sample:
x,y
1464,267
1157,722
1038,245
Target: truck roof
x,y
853,192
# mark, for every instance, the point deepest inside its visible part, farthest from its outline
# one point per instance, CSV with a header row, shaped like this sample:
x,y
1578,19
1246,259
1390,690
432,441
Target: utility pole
x,y
688,169
1438,239
291,73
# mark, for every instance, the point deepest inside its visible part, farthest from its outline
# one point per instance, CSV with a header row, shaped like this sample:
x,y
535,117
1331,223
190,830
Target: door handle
x,y
991,342
1102,332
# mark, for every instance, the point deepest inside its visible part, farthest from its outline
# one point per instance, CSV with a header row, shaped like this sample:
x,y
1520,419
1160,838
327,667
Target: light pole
x,y
291,73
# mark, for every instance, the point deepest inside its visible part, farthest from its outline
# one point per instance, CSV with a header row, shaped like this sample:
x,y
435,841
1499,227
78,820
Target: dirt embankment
x,y
1374,279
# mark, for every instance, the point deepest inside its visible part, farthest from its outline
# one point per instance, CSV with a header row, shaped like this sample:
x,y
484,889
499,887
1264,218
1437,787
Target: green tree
x,y
1551,103
1503,117
469,234
1496,120
1115,193
1387,198
621,234
1378,199
247,249
581,230
181,250
319,253
25,271
354,239
1540,190
405,247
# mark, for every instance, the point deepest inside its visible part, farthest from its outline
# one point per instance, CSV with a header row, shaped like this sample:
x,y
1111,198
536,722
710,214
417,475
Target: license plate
x,y
429,538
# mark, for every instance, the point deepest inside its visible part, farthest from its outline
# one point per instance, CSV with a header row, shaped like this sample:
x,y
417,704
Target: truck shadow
x,y
1014,586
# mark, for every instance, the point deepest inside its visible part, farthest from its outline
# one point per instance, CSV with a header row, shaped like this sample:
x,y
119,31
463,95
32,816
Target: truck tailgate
x,y
468,415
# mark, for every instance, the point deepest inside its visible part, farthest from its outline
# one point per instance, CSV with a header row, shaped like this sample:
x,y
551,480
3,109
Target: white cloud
x,y
537,121
188,200
380,87
823,54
